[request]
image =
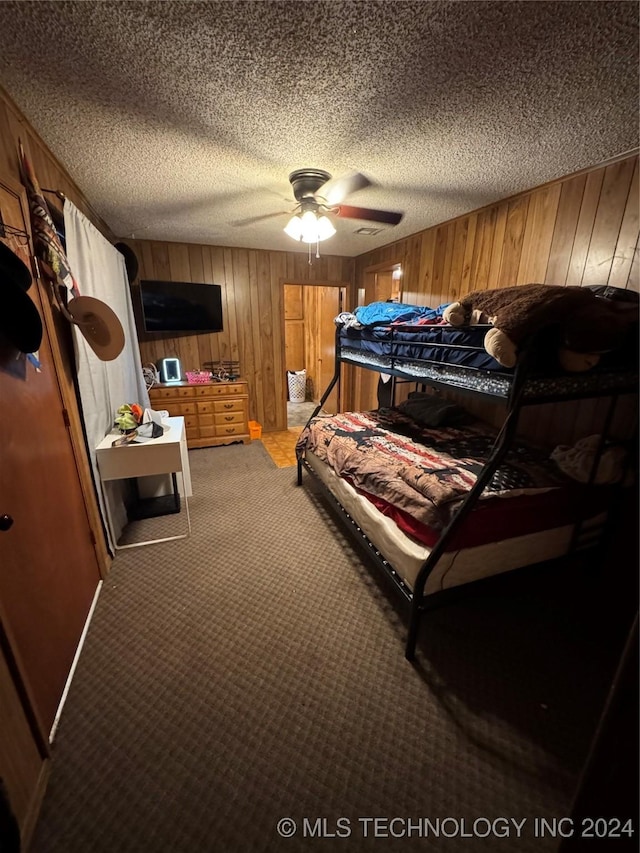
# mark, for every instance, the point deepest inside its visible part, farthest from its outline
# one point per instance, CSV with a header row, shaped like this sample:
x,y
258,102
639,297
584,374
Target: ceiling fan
x,y
317,194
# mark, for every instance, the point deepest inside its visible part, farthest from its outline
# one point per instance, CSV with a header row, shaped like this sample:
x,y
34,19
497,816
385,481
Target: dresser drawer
x,y
233,405
175,393
230,429
229,418
204,391
162,394
174,409
206,420
220,390
205,407
184,408
235,388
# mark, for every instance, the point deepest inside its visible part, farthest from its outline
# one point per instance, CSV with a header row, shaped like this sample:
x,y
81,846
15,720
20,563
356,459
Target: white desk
x,y
166,454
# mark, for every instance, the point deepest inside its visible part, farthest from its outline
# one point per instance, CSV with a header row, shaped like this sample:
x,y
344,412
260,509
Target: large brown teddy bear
x,y
587,324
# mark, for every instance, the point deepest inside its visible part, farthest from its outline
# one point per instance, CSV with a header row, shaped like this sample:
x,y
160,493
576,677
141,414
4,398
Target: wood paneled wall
x,y
580,230
252,281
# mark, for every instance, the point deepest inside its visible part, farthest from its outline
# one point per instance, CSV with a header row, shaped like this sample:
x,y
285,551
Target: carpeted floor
x,y
255,672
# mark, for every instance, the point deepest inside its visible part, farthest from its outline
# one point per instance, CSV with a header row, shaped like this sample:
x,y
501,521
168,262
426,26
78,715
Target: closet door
x,y
48,564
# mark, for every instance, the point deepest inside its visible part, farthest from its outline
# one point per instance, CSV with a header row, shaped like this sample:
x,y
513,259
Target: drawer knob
x,y
228,405
229,430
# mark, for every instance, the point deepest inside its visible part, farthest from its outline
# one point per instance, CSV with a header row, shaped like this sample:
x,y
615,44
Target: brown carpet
x,y
255,671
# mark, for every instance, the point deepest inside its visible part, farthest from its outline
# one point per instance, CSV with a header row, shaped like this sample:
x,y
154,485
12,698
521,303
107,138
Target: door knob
x,y
5,522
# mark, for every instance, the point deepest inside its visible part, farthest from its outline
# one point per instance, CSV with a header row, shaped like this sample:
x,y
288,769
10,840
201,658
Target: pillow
x,y
431,411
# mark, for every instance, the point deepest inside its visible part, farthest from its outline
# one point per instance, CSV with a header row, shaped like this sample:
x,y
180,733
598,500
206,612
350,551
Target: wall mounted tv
x,y
181,307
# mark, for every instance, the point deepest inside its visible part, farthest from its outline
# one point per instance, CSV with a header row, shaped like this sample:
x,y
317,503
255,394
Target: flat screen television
x,y
181,306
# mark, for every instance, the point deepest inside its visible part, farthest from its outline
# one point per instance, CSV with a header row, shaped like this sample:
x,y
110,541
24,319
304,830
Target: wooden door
x,y
24,762
294,327
386,285
329,306
48,565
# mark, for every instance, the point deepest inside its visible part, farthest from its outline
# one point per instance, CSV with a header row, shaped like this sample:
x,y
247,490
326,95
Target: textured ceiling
x,y
179,120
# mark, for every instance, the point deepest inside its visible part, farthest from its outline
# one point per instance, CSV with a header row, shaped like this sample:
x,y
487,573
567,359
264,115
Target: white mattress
x,y
454,567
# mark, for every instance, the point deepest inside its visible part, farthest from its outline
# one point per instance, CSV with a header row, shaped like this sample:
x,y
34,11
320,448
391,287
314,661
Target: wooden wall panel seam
x,y
584,229
565,230
627,234
608,221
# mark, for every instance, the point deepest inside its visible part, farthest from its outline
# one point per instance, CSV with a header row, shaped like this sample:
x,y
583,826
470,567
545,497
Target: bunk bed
x,y
444,500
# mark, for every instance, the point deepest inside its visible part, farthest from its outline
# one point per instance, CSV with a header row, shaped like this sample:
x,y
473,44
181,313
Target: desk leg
x,y
176,494
164,538
110,524
186,506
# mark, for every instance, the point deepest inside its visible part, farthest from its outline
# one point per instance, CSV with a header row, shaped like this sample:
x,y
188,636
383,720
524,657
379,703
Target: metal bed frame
x,y
519,394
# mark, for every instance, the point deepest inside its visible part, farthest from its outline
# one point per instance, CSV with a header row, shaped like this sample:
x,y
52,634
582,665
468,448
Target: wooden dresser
x,y
214,413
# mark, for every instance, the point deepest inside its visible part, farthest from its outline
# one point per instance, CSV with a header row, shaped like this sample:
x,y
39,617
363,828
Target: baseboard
x,y
76,658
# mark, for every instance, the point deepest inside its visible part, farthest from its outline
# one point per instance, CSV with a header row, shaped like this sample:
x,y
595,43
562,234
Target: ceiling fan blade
x,y
386,216
336,189
239,223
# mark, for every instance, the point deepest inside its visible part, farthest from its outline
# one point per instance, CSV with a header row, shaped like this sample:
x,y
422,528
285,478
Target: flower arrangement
x,y
129,417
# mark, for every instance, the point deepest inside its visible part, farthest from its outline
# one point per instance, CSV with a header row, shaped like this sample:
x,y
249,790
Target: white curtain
x,y
99,270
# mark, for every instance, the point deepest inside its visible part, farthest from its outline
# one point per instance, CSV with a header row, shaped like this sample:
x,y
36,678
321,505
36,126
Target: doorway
x,y
381,282
309,312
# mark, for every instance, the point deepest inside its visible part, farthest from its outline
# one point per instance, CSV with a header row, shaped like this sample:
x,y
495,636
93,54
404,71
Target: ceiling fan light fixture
x,y
294,228
315,192
325,228
309,223
310,228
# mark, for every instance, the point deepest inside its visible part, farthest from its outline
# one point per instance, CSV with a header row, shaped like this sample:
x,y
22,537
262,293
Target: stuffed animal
x,y
587,325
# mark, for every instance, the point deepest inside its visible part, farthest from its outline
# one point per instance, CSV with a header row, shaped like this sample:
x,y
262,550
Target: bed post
x,y
498,451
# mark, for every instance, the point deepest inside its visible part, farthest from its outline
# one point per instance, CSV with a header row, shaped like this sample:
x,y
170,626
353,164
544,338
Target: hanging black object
x,y
19,318
130,260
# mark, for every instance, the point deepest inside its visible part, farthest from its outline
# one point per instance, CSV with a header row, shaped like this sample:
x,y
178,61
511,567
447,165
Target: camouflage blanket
x,y
423,471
